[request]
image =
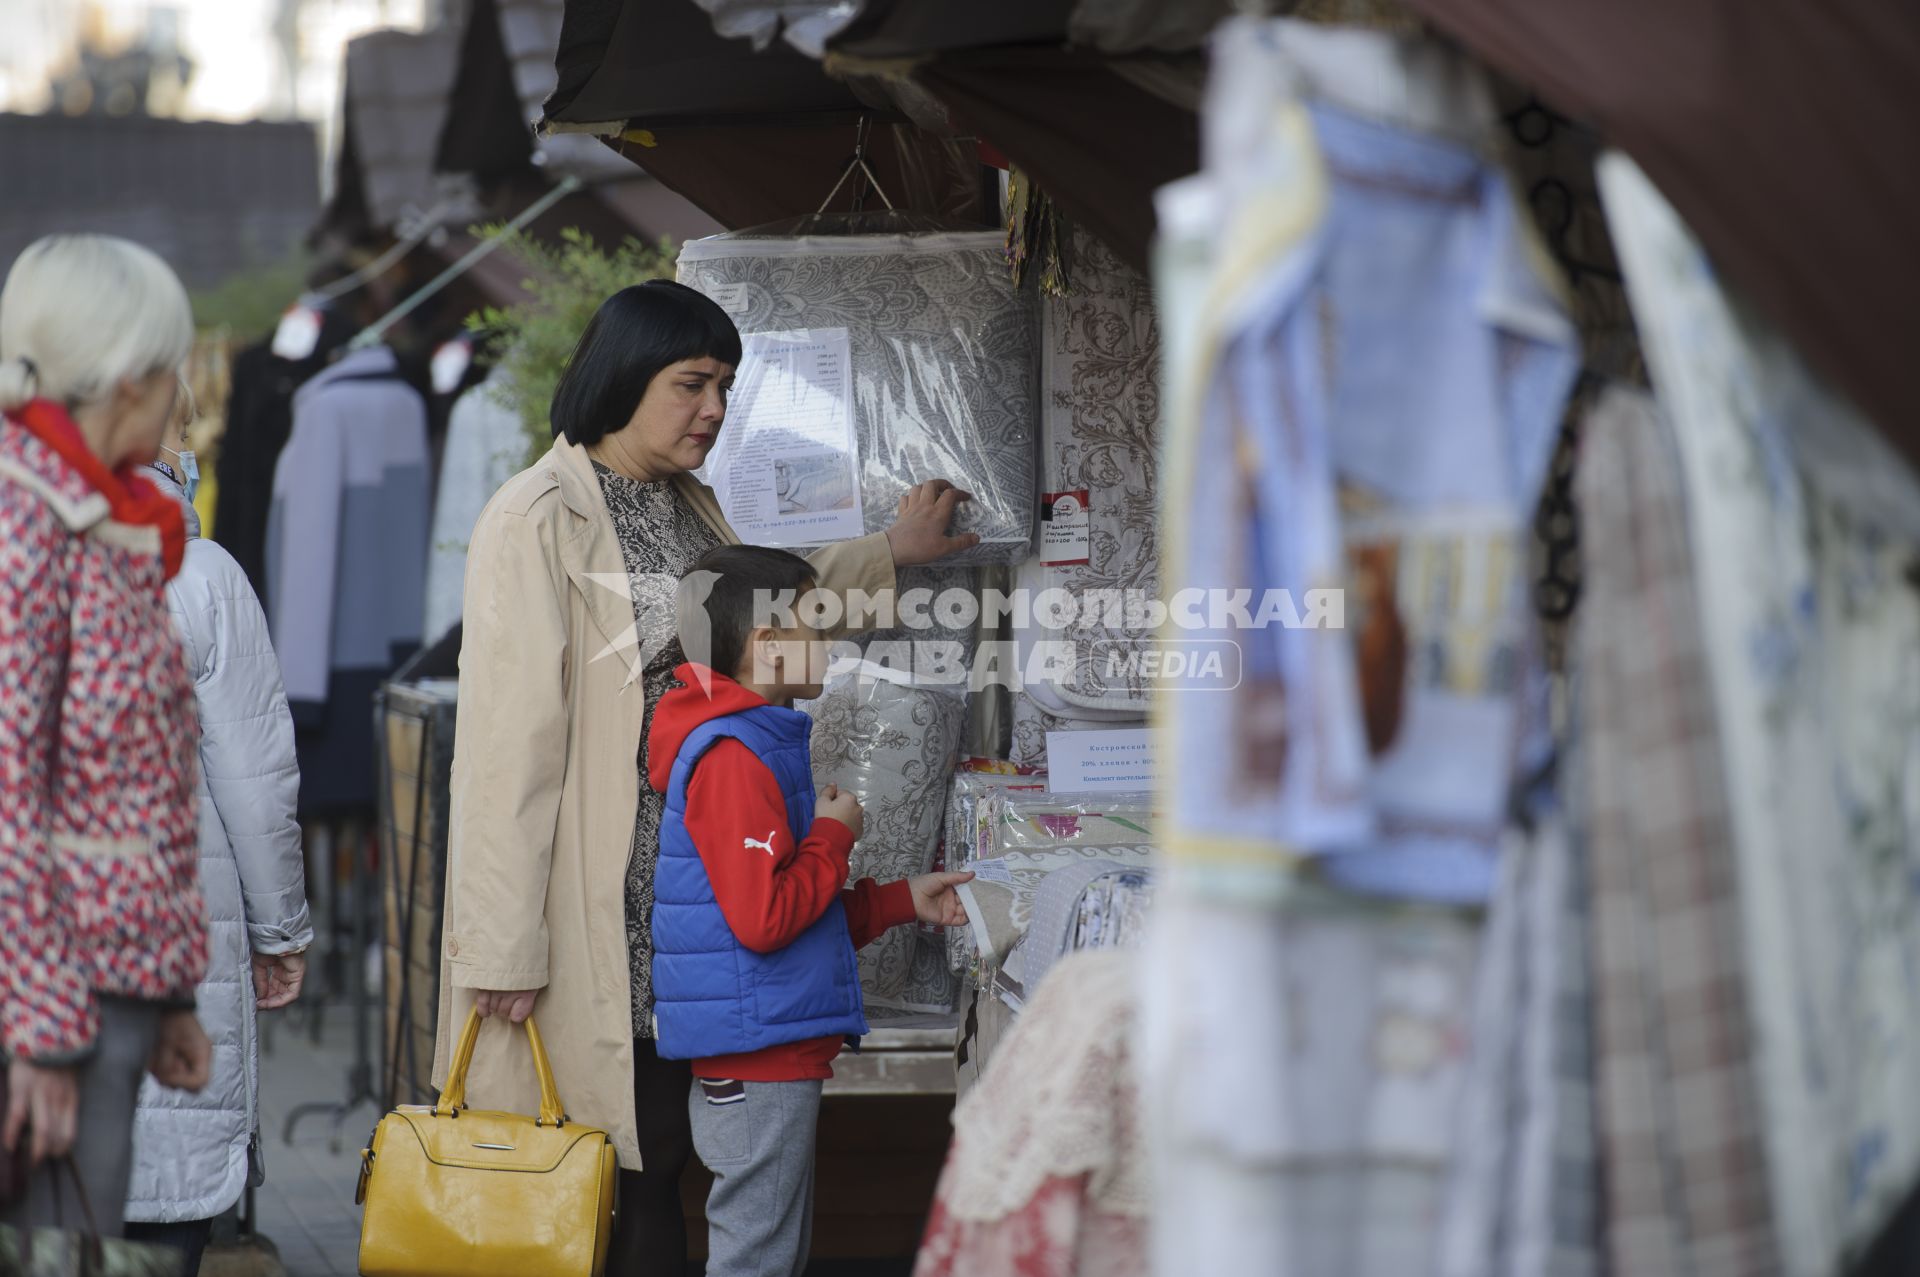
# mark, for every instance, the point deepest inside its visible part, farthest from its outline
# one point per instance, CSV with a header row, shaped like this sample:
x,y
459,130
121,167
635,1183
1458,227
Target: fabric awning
x,y
658,64
488,135
748,137
891,28
1088,135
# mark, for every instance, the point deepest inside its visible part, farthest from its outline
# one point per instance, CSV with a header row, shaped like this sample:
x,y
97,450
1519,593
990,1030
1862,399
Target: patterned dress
x,y
660,538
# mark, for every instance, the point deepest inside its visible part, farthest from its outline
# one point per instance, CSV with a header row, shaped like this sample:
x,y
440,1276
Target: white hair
x,y
81,313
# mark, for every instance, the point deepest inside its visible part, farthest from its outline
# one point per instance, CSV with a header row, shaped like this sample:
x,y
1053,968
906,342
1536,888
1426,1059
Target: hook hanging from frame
x,y
858,162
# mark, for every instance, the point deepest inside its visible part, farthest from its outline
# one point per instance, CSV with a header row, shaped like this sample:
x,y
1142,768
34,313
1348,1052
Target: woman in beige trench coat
x,y
568,640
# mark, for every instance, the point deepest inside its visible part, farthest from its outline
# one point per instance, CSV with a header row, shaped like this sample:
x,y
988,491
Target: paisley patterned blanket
x,y
1100,432
895,747
943,356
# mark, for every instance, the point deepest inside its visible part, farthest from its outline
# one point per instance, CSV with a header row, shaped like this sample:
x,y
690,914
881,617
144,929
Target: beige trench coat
x,y
545,785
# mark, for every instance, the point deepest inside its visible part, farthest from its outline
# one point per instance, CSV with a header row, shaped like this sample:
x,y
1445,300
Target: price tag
x,y
992,870
298,333
451,359
1066,526
731,298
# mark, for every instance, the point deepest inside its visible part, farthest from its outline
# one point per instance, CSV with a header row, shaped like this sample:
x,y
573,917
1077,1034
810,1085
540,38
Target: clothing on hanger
x,y
486,445
1379,396
347,556
259,419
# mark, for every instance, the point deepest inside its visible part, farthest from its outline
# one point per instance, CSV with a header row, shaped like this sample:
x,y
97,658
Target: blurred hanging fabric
x,y
1783,972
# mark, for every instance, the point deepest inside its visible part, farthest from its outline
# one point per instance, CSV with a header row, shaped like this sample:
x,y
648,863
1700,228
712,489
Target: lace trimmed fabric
x,y
1059,1101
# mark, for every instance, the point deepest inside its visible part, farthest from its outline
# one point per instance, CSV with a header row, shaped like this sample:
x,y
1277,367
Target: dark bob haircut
x,y
636,332
714,609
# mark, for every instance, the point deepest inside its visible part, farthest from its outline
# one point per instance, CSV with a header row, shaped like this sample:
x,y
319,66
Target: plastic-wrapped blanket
x,y
1102,905
894,747
969,827
1026,821
1100,438
931,643
1032,721
991,813
1112,912
942,348
1000,900
1033,836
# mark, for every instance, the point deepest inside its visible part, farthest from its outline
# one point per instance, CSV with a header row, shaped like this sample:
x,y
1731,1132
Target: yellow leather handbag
x,y
451,1191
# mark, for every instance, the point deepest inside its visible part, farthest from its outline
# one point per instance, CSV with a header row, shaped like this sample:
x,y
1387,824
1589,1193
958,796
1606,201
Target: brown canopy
x,y
1788,136
750,137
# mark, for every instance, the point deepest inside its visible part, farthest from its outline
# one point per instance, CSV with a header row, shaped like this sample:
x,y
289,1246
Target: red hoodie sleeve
x,y
768,889
874,909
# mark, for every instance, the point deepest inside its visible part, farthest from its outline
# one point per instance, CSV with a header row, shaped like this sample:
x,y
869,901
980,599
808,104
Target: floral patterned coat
x,y
99,824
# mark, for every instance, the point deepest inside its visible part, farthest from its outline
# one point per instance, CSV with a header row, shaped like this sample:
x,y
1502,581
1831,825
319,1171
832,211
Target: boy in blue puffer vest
x,y
754,977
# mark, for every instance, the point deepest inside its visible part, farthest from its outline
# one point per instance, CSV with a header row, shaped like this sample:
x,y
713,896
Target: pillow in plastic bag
x,y
895,747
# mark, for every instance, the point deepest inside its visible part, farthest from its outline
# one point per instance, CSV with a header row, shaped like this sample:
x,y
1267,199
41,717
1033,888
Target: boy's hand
x,y
840,804
935,902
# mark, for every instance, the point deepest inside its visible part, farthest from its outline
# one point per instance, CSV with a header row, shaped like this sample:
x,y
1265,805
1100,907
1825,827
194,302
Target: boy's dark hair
x,y
636,333
715,605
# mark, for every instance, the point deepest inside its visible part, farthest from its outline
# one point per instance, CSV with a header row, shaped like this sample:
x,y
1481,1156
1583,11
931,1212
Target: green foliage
x,y
532,340
250,303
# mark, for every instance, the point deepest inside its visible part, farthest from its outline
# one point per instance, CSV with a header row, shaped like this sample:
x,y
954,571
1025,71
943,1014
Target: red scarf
x,y
130,498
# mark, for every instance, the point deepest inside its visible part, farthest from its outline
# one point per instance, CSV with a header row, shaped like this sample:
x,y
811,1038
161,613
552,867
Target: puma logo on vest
x,y
766,846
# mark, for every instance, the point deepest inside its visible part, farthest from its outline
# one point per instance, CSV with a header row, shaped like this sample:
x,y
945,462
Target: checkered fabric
x,y
1522,1189
1685,1187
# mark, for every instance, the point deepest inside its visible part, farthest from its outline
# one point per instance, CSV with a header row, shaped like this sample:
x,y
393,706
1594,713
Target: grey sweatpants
x,y
103,1149
757,1138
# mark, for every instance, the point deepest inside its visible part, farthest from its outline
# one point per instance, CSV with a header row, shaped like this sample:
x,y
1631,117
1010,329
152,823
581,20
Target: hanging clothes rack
x,y
380,265
858,162
374,332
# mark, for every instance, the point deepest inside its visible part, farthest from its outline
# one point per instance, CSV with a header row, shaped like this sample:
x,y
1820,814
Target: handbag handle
x,y
93,1255
454,1097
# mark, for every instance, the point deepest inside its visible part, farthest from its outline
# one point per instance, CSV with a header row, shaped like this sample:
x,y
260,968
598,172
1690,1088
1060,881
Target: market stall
x,y
1485,906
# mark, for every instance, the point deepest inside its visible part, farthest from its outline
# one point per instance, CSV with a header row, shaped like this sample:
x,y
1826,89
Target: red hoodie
x,y
732,801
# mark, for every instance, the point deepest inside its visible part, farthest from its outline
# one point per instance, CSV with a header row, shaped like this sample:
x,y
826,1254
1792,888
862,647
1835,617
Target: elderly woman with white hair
x,y
102,927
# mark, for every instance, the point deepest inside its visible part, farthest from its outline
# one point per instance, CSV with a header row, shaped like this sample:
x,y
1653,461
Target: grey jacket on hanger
x,y
347,565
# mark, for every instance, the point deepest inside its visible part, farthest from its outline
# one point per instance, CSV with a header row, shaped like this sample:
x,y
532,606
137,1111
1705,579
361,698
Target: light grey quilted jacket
x,y
191,1151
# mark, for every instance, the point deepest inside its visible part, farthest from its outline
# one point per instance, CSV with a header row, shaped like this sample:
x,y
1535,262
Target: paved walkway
x,y
306,1206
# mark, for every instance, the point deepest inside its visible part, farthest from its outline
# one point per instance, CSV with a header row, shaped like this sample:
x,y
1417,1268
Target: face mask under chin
x,y
189,470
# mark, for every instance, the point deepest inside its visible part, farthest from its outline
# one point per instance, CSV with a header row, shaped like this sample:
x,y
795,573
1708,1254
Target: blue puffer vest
x,y
713,995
